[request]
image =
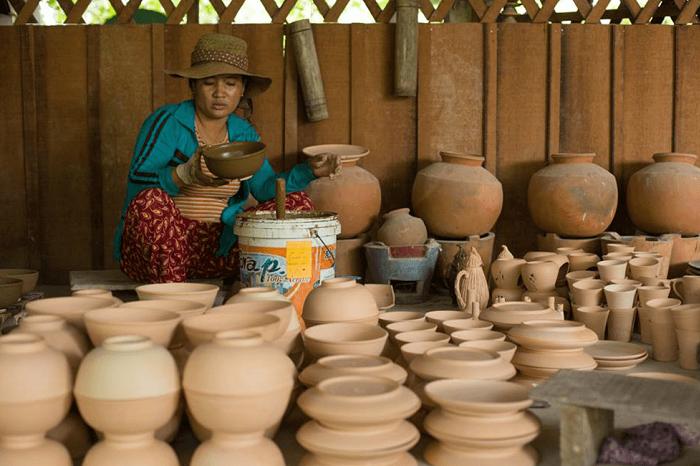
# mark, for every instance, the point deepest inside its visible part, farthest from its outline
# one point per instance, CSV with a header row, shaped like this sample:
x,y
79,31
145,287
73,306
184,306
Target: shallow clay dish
x,y
344,338
616,350
509,314
235,160
440,316
505,348
461,363
553,359
200,292
421,335
478,397
410,351
71,308
552,334
29,277
352,364
461,336
455,325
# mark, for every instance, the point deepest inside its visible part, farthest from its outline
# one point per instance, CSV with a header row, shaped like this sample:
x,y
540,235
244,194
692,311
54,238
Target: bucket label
x,y
299,259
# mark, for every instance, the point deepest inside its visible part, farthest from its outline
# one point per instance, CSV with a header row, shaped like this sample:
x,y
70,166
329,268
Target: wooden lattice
x,y
653,11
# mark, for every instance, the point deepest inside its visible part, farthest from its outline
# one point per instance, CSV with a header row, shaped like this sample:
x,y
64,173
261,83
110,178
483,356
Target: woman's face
x,y
217,97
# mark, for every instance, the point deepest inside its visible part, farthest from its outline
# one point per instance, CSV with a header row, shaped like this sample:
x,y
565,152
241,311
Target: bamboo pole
x,y
302,39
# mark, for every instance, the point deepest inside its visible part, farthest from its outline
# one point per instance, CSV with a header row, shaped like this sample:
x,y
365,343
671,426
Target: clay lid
x,y
478,397
511,313
615,351
553,359
352,364
464,363
552,334
472,431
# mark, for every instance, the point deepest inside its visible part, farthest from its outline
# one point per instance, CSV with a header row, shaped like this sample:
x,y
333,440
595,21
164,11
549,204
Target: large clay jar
x,y
572,197
400,228
340,299
457,197
34,397
664,197
238,376
355,194
126,389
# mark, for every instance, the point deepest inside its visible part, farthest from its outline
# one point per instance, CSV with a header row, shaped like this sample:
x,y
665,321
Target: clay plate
x,y
616,351
478,397
235,160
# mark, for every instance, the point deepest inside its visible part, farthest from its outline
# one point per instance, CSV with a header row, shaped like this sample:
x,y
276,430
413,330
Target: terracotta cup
x,y
622,256
646,293
613,268
620,324
688,343
643,267
588,292
582,261
620,247
664,339
686,317
688,288
620,296
593,317
573,277
654,255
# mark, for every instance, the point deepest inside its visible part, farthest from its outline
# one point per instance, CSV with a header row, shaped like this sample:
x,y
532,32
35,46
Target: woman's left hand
x,y
325,165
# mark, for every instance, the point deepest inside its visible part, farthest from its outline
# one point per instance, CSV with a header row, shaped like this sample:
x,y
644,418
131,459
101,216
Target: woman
x,y
177,220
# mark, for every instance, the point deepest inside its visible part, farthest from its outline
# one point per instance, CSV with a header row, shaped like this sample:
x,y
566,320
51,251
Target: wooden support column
x,y
302,39
582,432
406,56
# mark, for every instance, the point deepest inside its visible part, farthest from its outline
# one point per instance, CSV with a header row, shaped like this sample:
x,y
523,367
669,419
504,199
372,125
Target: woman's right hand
x,y
191,173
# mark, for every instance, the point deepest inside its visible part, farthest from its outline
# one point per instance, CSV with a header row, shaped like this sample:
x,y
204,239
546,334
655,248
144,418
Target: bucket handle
x,y
314,232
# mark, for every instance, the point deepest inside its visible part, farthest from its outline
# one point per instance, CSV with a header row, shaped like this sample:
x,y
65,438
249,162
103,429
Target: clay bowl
x,y
71,308
400,316
409,326
183,308
440,316
455,325
352,364
282,309
461,363
156,324
29,277
344,338
199,292
478,397
573,277
235,160
383,295
10,291
506,315
574,360
552,334
412,337
201,329
505,348
410,351
476,334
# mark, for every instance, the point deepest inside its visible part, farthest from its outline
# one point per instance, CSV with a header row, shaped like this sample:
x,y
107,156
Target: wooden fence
x,y
75,98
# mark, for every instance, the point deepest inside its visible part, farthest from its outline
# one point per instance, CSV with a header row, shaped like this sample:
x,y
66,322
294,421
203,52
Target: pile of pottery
x,y
355,195
547,346
358,420
616,355
484,423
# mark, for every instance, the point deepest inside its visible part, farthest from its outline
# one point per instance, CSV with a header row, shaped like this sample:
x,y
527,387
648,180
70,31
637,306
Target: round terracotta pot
x,y
340,299
664,197
457,197
355,194
572,197
400,228
36,396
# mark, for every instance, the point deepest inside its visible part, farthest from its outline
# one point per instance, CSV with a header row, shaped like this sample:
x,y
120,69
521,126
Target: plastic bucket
x,y
293,255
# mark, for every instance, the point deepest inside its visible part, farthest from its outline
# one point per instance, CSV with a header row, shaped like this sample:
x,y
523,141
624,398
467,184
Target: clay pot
x,y
29,278
127,389
457,197
505,349
355,194
36,396
572,196
573,277
620,296
71,308
686,317
459,363
350,257
238,376
10,291
461,336
664,197
552,335
645,294
351,364
199,292
410,326
183,308
400,228
284,310
540,275
412,337
620,324
340,299
58,335
620,247
593,317
74,434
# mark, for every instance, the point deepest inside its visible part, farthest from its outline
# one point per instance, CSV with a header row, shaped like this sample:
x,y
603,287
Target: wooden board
x,y
450,84
380,121
14,242
521,129
686,131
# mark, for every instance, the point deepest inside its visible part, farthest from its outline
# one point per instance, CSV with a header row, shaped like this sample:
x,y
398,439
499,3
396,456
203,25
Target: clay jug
x,y
400,228
664,197
572,197
238,376
36,395
355,194
457,197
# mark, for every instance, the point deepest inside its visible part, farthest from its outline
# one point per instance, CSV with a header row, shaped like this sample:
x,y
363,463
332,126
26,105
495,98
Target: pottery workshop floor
x,y
547,444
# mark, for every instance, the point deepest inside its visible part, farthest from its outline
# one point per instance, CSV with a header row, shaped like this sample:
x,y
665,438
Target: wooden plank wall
x,y
514,93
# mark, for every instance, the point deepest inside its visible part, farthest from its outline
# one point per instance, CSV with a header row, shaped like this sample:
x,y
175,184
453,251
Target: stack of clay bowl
x,y
484,423
664,338
340,299
505,315
547,346
505,271
616,355
29,278
686,318
358,421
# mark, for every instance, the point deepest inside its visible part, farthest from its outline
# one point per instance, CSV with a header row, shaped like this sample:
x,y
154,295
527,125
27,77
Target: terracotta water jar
x,y
664,197
457,197
572,197
340,299
36,396
355,194
400,228
127,388
238,376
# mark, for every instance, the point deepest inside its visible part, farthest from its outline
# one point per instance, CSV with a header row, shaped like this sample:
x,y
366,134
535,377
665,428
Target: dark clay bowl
x,y
235,160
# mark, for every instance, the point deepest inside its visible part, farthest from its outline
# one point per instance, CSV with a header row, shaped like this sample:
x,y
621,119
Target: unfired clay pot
x,y
238,376
354,194
127,389
351,364
457,197
36,395
340,299
572,197
400,228
664,197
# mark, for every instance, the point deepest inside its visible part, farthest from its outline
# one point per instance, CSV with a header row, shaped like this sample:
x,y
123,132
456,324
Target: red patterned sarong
x,y
160,245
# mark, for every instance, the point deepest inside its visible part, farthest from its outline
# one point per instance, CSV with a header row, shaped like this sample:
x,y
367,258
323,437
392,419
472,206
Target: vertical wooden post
x,y
582,432
302,39
406,57
280,199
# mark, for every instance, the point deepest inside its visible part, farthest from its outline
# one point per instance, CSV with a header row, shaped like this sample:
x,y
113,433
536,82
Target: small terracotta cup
x,y
620,296
620,247
593,317
588,292
643,267
582,261
620,324
614,268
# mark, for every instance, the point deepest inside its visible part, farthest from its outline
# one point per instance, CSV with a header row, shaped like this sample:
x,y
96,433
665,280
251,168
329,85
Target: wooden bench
x,y
587,401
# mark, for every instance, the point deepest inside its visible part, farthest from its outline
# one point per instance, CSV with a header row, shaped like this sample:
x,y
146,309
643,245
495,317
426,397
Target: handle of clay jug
x,y
461,300
674,284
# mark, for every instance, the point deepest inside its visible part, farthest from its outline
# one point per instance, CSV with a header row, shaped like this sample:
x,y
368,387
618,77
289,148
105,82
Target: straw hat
x,y
217,54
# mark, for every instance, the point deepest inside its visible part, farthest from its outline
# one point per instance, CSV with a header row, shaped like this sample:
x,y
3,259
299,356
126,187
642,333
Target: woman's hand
x,y
191,172
325,165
